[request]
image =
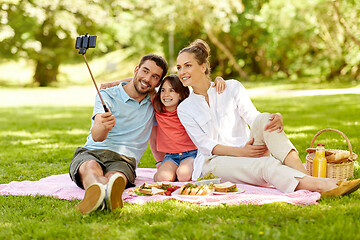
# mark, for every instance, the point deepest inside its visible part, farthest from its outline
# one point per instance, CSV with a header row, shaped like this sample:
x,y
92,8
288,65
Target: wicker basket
x,y
334,170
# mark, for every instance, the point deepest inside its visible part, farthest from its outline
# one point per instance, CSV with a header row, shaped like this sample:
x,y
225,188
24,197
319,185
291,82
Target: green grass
x,y
300,83
39,141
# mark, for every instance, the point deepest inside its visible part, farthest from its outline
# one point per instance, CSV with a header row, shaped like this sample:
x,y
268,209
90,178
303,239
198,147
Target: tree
x,y
45,31
185,21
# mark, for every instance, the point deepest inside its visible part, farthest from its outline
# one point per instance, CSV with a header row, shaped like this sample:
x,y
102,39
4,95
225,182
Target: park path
x,y
296,93
84,96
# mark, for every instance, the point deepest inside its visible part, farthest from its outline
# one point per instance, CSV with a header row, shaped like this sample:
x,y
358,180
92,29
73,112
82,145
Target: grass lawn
x,y
39,141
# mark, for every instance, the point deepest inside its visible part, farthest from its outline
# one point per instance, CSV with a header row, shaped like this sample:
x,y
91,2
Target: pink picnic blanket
x,y
62,187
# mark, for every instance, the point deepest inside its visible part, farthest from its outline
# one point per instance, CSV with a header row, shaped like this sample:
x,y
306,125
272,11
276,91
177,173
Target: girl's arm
x,y
159,156
115,83
220,85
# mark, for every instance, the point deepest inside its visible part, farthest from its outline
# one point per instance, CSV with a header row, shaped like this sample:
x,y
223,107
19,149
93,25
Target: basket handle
x,y
334,130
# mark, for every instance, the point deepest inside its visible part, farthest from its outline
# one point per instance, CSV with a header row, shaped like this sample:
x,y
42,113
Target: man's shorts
x,y
108,160
177,158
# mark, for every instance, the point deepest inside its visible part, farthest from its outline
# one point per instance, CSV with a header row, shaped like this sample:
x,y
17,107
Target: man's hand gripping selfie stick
x,y
83,43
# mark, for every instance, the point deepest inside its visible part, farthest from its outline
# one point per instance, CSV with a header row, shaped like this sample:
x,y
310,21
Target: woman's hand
x,y
255,151
249,150
276,123
220,84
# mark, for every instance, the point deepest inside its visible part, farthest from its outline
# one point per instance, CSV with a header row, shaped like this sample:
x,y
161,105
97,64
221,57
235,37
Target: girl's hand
x,y
276,123
115,83
220,85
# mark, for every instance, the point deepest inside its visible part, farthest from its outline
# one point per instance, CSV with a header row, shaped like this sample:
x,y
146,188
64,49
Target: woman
x,y
219,126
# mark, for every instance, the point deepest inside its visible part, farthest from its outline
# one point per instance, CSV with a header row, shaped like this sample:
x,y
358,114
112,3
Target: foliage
x,y
267,38
40,141
45,31
322,46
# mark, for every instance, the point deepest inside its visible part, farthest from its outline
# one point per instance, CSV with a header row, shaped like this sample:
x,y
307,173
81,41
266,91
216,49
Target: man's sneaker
x,y
114,190
93,199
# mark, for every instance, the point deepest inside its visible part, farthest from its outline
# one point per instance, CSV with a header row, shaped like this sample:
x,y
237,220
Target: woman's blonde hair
x,y
201,51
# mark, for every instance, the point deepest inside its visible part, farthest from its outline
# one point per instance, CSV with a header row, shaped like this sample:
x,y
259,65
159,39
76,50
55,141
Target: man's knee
x,y
89,166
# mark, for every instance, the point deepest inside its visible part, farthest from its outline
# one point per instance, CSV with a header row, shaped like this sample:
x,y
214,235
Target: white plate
x,y
229,193
176,192
208,181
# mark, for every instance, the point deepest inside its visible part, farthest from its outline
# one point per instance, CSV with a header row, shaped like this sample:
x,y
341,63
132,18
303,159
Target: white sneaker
x,y
114,190
93,199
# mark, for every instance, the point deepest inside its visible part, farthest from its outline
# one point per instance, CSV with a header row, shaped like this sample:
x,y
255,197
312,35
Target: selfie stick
x,y
97,89
83,42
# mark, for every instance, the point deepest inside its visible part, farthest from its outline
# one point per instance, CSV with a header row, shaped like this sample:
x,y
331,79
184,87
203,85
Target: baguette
x,y
332,155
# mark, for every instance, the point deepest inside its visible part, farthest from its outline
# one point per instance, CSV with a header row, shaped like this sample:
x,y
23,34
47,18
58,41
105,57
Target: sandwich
x,y
150,185
193,189
225,187
152,191
152,188
157,188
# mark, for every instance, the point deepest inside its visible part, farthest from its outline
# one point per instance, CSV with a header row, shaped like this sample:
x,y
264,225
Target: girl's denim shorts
x,y
177,158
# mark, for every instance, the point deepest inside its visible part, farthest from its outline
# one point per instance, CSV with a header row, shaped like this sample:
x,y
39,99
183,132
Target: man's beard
x,y
137,85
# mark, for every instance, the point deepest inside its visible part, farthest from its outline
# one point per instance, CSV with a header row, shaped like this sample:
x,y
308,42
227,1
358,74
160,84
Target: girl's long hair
x,y
176,85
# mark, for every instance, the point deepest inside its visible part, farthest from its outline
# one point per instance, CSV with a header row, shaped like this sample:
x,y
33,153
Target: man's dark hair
x,y
160,61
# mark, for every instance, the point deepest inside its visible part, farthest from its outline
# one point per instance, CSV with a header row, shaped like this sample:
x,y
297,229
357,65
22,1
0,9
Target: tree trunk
x,y
344,24
336,70
46,72
47,60
225,50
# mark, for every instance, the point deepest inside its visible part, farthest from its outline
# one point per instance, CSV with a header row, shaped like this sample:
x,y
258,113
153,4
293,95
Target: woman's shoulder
x,y
186,104
234,83
233,88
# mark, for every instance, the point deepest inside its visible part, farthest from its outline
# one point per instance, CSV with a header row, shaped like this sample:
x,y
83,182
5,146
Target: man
x,y
106,165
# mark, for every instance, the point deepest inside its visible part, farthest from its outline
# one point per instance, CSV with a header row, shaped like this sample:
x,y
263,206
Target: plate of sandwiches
x,y
226,188
192,189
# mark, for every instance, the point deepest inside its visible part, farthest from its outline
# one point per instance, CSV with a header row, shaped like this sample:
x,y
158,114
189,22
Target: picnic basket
x,y
343,169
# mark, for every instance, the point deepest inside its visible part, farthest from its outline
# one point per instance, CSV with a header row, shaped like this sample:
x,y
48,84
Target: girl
x,y
219,127
172,138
